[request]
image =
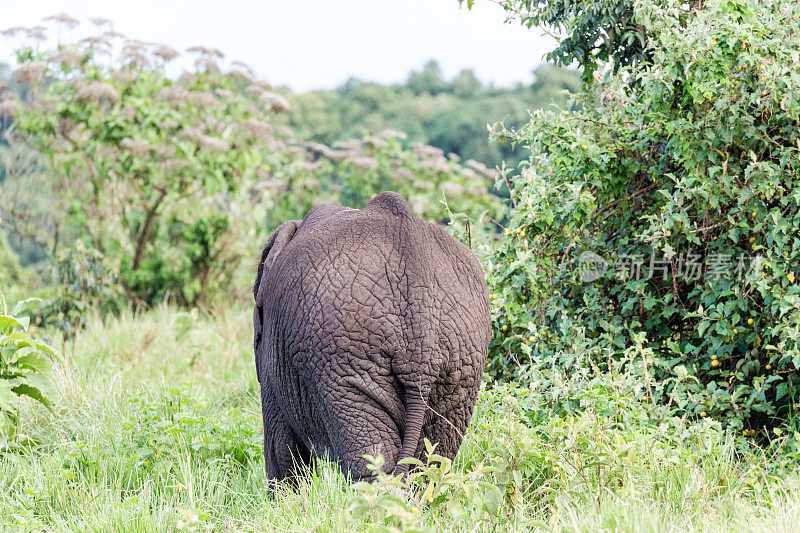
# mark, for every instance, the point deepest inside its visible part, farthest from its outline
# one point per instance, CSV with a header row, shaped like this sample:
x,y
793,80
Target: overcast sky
x,y
310,44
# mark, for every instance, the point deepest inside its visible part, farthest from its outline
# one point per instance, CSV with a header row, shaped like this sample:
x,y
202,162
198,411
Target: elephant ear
x,y
272,249
274,246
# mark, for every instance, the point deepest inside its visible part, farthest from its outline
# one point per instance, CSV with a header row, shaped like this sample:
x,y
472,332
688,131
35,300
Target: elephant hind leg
x,y
284,453
359,426
446,429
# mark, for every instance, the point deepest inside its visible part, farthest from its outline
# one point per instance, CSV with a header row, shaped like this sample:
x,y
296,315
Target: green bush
x,y
25,369
159,431
11,273
689,162
79,277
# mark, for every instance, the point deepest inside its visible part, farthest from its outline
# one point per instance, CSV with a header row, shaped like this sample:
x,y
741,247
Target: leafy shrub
x,y
595,32
11,272
25,368
161,430
79,277
688,163
160,437
27,205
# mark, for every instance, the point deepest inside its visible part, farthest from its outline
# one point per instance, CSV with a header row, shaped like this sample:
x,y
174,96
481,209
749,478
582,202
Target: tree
x,y
657,222
152,171
429,80
454,120
466,84
171,182
594,31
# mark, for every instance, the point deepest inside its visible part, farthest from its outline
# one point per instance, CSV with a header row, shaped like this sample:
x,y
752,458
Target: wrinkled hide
x,y
371,334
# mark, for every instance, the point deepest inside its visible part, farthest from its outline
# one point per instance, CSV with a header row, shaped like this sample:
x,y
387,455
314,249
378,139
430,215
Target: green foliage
x,y
160,431
449,114
25,369
523,468
394,502
7,86
428,81
591,32
172,181
695,162
11,273
79,277
27,201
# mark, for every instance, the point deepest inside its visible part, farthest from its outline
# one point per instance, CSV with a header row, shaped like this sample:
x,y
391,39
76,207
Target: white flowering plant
x,y
151,171
352,172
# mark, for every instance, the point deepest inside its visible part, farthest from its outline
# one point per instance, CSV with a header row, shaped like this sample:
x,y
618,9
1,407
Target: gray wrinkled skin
x,y
371,334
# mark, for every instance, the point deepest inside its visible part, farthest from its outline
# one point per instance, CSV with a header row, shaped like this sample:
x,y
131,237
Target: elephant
x,y
371,333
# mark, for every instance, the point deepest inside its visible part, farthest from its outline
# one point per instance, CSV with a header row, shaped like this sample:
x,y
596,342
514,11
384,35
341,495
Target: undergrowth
x,y
157,427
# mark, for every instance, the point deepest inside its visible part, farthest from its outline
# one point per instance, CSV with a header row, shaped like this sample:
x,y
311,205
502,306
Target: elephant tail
x,y
416,406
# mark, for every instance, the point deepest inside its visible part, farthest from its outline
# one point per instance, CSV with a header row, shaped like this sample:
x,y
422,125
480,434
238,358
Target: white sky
x,y
309,44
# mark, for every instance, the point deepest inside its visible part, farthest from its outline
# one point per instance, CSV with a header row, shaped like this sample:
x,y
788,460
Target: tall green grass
x,y
157,427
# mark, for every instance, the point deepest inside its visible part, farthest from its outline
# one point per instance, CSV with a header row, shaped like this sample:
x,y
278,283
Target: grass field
x,y
157,428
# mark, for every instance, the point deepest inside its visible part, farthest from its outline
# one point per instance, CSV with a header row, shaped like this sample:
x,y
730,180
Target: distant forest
x,y
450,114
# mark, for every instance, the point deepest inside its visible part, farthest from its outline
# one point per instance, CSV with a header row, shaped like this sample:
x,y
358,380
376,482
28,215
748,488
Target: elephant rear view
x,y
371,334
